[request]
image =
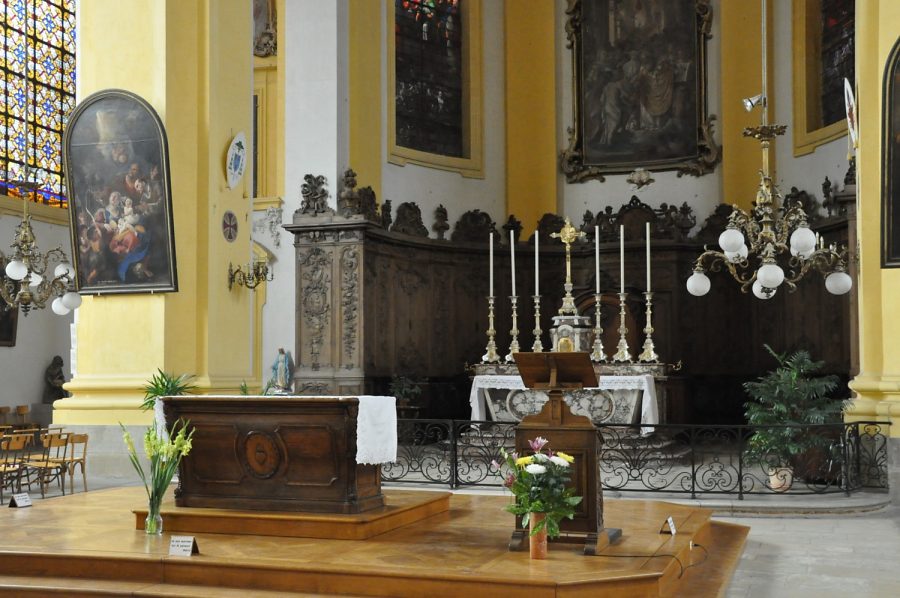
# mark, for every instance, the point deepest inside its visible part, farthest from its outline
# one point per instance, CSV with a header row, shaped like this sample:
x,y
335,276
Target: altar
x,y
628,394
314,454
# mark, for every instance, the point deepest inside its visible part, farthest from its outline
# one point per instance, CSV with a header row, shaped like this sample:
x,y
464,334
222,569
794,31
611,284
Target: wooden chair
x,y
4,414
77,454
52,464
12,455
22,414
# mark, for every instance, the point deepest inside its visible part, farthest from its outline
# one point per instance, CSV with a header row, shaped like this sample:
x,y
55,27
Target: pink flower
x,y
509,481
495,464
538,443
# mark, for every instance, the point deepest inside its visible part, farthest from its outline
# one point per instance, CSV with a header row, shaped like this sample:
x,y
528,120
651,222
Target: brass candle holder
x,y
597,353
491,355
622,355
514,332
648,355
538,346
568,235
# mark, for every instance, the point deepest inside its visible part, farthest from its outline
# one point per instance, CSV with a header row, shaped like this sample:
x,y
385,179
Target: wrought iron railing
x,y
682,459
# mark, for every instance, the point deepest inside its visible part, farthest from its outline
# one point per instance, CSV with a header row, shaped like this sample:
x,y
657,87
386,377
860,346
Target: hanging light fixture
x,y
753,243
27,284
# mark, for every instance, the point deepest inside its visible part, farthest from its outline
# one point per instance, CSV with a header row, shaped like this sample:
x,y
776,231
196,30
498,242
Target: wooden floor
x,y
86,545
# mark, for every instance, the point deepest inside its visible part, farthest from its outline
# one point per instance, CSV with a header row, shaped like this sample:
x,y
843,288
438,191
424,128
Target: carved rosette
x,y
350,301
314,290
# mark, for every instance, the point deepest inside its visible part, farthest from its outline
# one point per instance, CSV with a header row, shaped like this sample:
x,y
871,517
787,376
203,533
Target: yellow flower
x,y
563,455
523,461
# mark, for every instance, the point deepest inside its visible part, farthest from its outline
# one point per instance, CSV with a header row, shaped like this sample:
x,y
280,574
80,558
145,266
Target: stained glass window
x,y
37,93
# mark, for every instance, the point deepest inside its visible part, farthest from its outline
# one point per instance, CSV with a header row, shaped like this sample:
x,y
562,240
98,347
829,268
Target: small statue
x,y
54,380
282,380
440,225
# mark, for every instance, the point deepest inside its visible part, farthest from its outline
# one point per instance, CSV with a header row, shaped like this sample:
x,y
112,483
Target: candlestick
x,y
648,257
648,355
621,259
538,345
514,332
537,287
491,355
597,259
512,259
597,353
491,262
623,355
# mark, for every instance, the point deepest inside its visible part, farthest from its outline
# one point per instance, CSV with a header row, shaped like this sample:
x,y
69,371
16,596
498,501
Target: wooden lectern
x,y
569,433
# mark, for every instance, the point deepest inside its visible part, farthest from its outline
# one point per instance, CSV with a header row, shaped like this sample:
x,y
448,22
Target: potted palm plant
x,y
782,403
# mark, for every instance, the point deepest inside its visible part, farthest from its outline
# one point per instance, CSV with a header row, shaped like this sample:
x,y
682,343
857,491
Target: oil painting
x,y
117,167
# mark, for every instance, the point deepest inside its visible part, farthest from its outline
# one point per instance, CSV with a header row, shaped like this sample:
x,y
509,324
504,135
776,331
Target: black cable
x,y
705,556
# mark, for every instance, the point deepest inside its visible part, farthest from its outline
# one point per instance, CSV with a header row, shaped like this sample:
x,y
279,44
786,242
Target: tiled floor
x,y
823,555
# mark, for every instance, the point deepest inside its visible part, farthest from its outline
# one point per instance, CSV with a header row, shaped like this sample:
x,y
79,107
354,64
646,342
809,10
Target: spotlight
x,y
757,100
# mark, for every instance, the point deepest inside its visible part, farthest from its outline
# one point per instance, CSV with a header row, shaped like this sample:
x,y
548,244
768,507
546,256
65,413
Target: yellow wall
x,y
741,77
878,383
531,153
366,41
192,62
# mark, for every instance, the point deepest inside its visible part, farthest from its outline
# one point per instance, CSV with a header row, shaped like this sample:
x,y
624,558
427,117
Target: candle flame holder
x,y
648,355
491,355
538,346
514,332
597,354
622,355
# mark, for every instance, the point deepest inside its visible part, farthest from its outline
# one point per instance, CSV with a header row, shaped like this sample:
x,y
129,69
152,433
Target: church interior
x,y
372,251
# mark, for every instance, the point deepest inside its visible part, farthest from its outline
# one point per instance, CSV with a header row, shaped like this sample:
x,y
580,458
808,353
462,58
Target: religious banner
x,y
117,168
639,70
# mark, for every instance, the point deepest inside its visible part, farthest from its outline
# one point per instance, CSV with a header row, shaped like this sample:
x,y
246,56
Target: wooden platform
x,y
86,545
402,508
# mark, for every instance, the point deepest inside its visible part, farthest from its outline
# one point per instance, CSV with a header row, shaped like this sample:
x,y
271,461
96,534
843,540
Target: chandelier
x,y
27,285
255,274
755,245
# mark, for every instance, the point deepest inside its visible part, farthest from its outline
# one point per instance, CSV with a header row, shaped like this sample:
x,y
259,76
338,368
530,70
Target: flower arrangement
x,y
539,483
165,454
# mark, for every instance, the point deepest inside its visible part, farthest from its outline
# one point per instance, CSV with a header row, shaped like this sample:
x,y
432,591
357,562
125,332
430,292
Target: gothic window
x,y
37,93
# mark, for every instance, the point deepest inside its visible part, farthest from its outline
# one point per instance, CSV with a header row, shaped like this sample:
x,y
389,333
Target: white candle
x,y
648,257
597,258
537,286
512,259
491,260
621,258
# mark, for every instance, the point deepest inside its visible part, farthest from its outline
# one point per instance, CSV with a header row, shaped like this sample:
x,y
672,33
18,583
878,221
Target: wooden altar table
x,y
315,454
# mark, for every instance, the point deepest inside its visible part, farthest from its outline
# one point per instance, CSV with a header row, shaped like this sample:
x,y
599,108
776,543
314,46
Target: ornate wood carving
x,y
440,225
314,196
349,301
512,224
409,220
473,227
314,293
353,201
547,225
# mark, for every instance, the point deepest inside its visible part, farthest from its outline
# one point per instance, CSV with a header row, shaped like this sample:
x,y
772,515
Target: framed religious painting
x,y
434,85
639,88
120,201
890,170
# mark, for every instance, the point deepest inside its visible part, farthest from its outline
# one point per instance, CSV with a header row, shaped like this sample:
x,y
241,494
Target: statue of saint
x,y
53,380
282,380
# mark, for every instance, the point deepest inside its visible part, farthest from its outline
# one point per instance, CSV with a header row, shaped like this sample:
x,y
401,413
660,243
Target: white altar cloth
x,y
643,382
376,430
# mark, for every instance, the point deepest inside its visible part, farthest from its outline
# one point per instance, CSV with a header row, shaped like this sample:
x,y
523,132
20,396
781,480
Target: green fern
x,y
791,395
166,385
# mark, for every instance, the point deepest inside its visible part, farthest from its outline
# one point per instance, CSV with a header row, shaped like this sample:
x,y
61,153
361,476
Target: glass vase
x,y
153,524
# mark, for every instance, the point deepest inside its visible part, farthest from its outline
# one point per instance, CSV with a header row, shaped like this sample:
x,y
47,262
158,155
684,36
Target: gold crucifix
x,y
568,235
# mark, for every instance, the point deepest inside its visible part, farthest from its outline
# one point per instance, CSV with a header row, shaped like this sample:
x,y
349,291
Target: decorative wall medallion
x,y
262,456
236,160
229,226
